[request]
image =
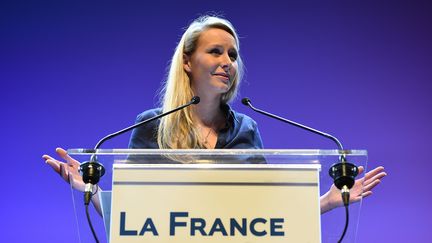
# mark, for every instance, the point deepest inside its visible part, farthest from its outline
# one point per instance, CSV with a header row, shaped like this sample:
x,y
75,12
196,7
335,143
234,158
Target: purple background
x,y
72,72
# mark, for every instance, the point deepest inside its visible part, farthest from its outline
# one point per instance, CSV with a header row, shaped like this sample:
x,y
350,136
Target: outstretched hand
x,y
362,188
67,170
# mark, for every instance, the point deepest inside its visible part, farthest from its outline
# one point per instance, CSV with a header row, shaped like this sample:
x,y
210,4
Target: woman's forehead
x,y
216,36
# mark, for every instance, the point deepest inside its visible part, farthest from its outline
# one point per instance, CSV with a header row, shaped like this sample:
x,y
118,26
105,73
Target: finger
x,y
69,177
374,172
366,194
371,186
64,172
356,198
376,177
54,164
360,170
46,157
63,153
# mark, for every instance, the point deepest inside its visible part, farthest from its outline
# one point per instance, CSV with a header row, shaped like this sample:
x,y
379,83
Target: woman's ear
x,y
186,63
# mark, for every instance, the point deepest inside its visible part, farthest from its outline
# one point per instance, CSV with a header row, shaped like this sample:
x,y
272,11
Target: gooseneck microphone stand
x,y
342,172
93,170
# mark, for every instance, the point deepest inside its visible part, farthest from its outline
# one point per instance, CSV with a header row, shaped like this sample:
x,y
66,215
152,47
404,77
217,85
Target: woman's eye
x,y
215,51
233,56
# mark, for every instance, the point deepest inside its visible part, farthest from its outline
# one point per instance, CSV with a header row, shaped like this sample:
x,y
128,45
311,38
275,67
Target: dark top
x,y
240,132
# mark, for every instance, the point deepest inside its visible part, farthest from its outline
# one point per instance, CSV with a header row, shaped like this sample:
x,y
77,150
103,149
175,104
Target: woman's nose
x,y
226,63
226,67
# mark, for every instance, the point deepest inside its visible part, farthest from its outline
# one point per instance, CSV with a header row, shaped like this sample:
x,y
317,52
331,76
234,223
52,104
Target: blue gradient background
x,y
74,71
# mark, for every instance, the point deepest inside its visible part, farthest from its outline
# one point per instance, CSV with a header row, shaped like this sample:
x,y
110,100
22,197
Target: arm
x,y
362,188
69,172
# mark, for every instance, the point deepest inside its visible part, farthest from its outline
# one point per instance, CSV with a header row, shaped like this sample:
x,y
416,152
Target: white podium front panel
x,y
198,203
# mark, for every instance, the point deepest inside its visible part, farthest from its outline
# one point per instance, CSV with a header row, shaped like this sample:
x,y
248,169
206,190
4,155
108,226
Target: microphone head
x,y
246,101
195,100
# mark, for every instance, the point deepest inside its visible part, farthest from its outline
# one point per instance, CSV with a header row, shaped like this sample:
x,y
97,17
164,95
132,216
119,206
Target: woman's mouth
x,y
223,76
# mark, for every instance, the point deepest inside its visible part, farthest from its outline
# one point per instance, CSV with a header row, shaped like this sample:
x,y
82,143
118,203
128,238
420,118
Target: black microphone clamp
x,y
344,174
91,172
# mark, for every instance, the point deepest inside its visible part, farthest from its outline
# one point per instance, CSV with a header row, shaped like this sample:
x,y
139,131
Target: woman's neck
x,y
208,112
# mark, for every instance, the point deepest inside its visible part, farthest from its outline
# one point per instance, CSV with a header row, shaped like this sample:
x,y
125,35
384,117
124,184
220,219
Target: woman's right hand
x,y
68,170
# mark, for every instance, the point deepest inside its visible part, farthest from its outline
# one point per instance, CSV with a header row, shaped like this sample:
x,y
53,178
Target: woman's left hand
x,y
362,188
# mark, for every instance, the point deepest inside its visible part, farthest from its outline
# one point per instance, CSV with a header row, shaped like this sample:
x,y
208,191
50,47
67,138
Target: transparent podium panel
x,y
223,163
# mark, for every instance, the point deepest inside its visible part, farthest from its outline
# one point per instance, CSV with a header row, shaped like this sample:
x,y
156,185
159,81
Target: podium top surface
x,y
219,152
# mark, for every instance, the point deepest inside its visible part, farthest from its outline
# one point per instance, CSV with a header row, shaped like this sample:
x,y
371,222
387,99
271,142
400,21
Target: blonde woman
x,y
206,63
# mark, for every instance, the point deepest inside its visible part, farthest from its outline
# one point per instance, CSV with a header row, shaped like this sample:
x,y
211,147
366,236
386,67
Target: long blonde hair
x,y
176,131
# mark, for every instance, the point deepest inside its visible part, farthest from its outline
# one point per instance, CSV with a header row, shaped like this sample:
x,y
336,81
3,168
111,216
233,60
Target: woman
x,y
207,64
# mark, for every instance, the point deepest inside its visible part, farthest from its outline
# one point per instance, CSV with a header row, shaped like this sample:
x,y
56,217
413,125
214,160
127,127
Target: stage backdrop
x,y
74,71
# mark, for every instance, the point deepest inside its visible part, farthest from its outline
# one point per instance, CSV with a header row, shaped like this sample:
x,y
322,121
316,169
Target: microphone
x,y
92,170
343,173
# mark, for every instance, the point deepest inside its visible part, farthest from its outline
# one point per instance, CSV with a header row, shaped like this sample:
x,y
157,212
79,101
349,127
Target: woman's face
x,y
213,65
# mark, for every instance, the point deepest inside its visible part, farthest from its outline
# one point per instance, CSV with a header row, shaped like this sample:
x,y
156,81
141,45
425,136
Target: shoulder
x,y
243,120
148,114
145,135
243,132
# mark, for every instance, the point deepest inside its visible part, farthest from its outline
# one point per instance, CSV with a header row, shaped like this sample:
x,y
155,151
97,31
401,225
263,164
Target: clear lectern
x,y
215,196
